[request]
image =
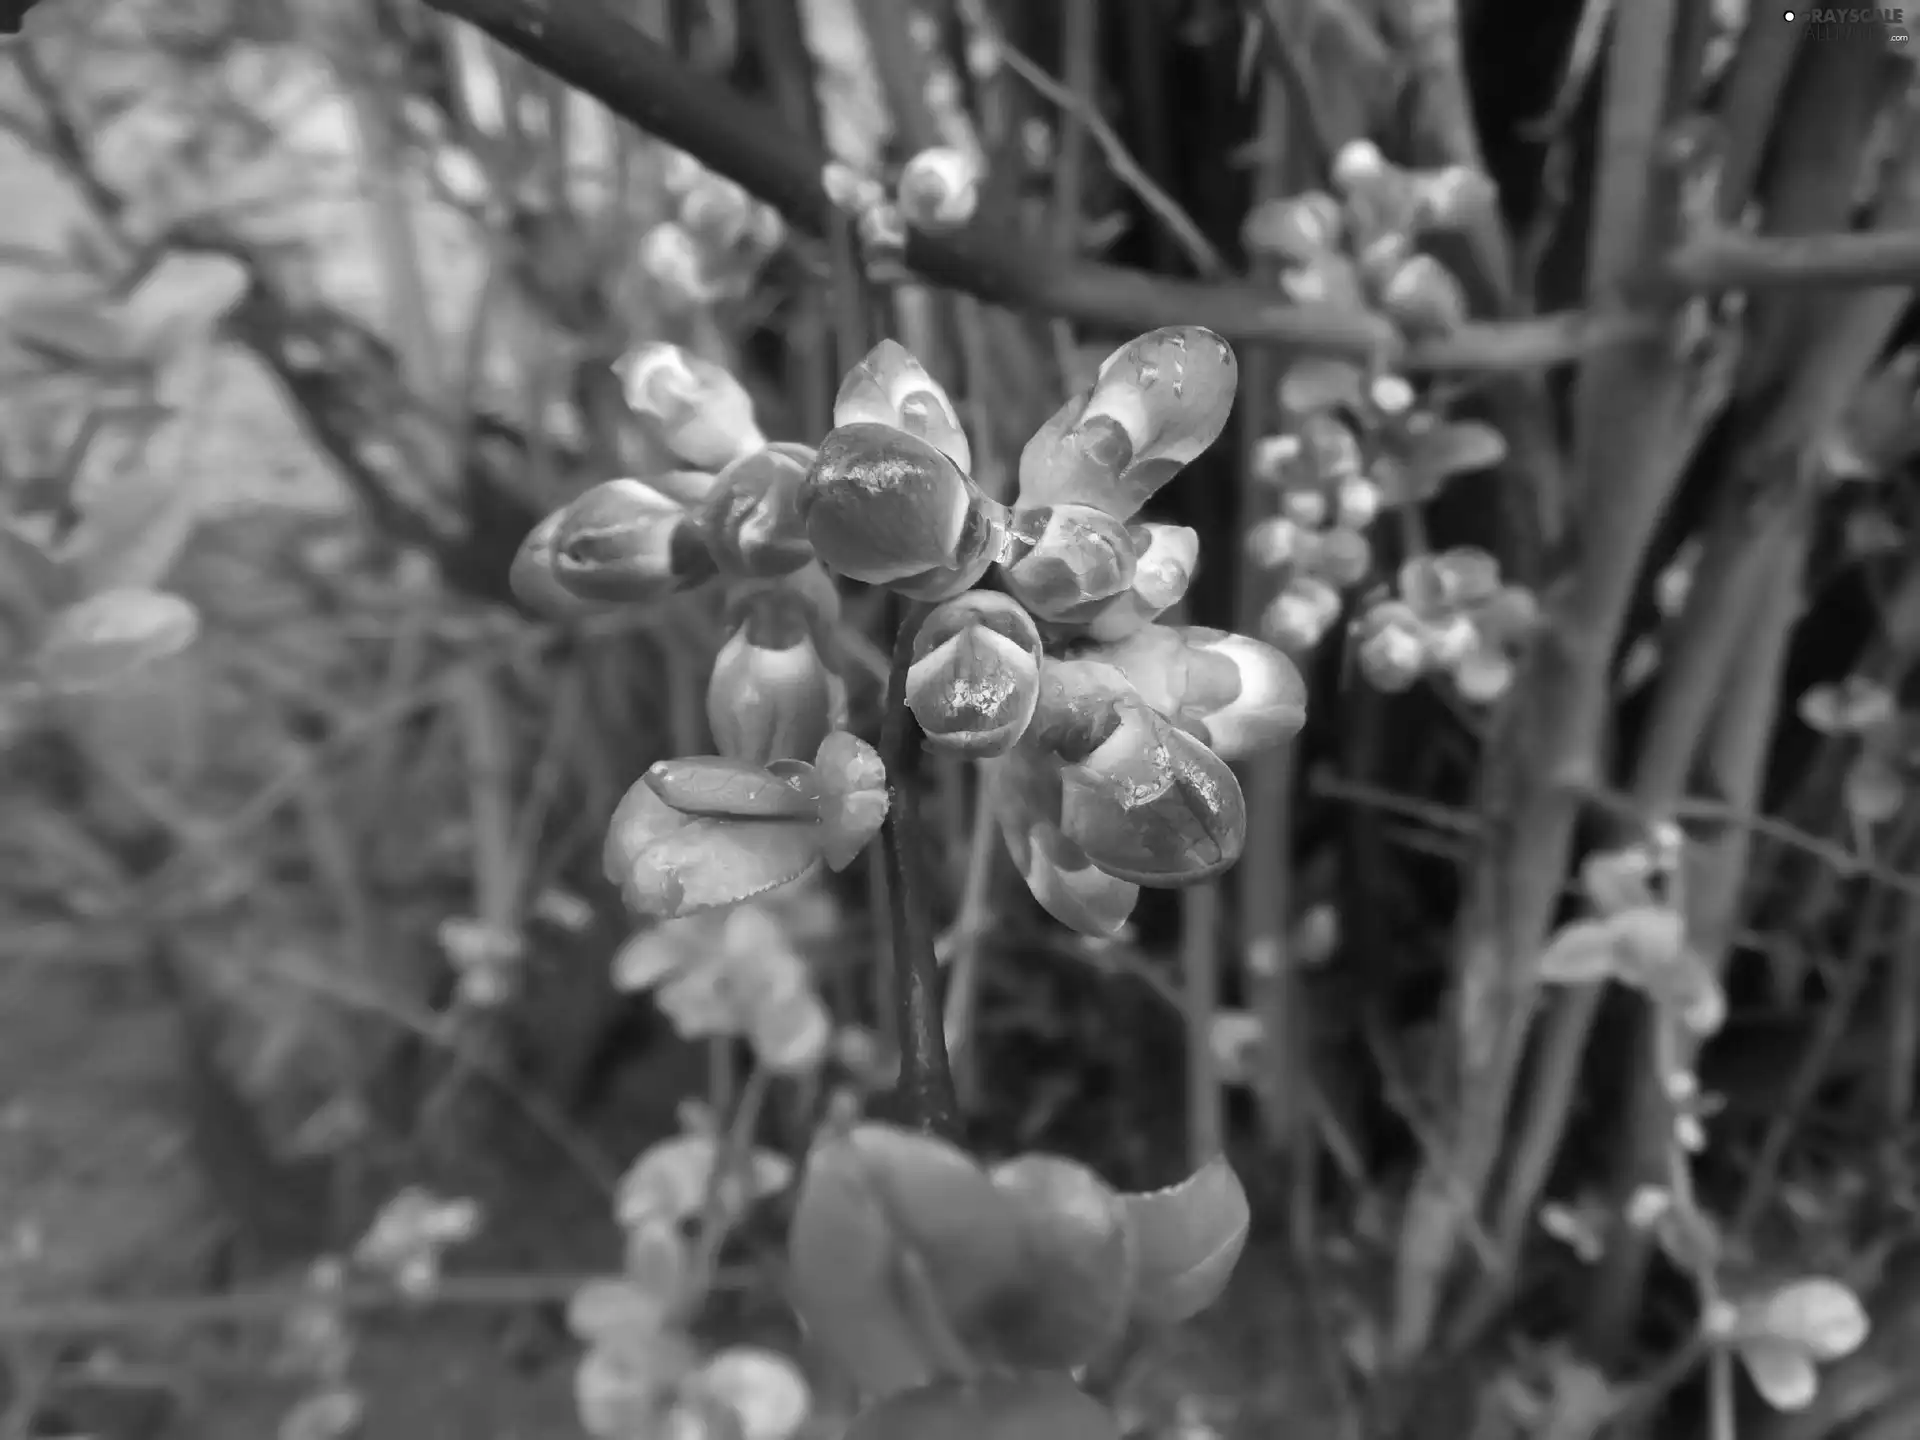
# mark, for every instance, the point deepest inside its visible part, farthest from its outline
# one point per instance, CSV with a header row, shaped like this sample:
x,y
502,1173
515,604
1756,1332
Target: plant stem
x,y
926,1078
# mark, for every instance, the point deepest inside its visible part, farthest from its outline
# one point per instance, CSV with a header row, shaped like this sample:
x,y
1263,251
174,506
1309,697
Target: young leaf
x,y
1074,1299
853,796
993,1407
713,787
107,637
1190,1237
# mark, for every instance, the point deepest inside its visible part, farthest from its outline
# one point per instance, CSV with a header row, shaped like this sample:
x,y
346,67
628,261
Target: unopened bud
x,y
625,541
701,413
975,675
939,189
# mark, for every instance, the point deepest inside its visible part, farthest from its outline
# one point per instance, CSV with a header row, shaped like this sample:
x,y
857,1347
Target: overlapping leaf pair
x,y
1109,735
918,1270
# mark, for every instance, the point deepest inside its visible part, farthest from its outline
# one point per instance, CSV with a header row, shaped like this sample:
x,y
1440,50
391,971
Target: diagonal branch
x,y
593,46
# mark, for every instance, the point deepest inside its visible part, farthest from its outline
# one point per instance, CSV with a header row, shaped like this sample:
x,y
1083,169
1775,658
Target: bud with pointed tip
x,y
939,189
624,541
770,696
533,582
1167,556
702,414
1297,229
1423,297
1151,804
673,260
1156,404
975,675
885,507
890,387
1068,560
1238,694
751,517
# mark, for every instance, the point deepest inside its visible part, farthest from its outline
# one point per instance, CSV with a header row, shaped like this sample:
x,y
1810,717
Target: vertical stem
x,y
926,1077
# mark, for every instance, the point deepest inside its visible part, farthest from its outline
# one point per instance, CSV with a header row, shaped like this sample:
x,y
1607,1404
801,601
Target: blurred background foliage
x,y
307,312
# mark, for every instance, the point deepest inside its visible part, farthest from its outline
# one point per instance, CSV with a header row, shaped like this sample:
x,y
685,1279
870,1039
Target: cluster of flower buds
x,y
731,516
1108,733
1354,445
732,973
715,239
1451,614
1357,248
1112,733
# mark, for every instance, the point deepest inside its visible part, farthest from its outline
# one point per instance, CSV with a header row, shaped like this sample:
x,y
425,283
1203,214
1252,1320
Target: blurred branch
x,y
1735,261
591,45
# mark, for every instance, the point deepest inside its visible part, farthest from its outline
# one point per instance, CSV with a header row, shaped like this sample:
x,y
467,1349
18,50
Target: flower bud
x,y
1274,542
939,189
1298,229
1509,616
1358,163
1158,401
1068,559
751,518
1483,675
770,695
1332,449
1241,696
885,507
1166,557
674,261
1330,280
701,413
1278,460
1307,508
1152,804
716,211
1392,652
1451,197
1301,614
1356,502
1345,558
625,541
533,582
975,674
890,387
1423,297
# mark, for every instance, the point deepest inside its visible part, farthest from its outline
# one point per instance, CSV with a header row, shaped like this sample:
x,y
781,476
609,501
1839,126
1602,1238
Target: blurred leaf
x,y
1073,1301
899,1244
1433,457
994,1407
76,330
1821,1316
1314,385
111,636
1189,1238
33,585
1783,1373
1874,788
